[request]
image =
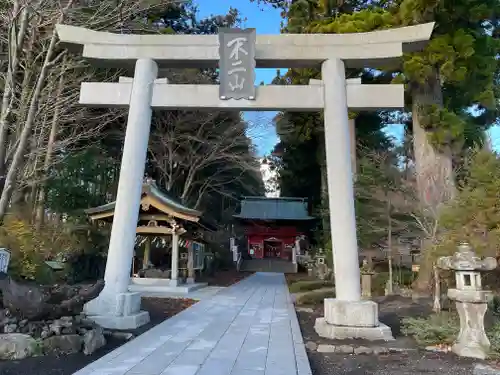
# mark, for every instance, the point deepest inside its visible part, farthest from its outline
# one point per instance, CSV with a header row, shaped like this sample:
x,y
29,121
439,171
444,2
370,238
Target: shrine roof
x,y
264,208
154,196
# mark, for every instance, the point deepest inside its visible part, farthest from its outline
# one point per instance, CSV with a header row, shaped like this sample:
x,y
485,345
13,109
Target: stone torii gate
x,y
345,316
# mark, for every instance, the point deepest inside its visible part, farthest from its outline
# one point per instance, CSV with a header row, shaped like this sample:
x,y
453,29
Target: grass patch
x,y
314,297
309,285
494,335
442,328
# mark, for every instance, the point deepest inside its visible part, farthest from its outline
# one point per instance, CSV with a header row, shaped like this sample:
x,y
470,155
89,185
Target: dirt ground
x,y
159,310
413,361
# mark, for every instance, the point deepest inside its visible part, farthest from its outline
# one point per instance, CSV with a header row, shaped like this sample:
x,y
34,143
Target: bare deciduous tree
x,y
37,66
200,153
426,211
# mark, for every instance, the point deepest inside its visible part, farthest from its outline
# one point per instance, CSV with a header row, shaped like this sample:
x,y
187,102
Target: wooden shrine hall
x,y
273,229
178,230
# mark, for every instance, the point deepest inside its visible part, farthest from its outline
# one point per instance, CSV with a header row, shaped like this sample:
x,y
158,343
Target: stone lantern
x,y
320,264
320,259
471,301
366,280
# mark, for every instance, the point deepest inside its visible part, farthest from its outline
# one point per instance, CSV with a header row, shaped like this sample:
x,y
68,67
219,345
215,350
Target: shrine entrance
x,y
237,53
273,248
272,226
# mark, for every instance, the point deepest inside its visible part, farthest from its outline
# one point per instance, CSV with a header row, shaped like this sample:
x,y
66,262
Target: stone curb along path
x,y
249,328
354,349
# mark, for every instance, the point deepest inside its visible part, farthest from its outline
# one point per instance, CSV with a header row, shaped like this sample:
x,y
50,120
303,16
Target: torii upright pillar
x,y
346,315
116,307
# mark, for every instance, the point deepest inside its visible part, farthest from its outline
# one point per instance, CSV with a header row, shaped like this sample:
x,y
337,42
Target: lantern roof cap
x,y
465,259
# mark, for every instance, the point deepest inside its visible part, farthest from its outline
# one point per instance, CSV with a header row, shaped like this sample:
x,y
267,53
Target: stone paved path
x,y
199,294
247,329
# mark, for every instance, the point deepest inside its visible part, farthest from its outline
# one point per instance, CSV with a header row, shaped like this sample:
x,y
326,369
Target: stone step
x,y
268,265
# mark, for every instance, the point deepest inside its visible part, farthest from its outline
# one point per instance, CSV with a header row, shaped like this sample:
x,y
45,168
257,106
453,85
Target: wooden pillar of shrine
x,y
190,264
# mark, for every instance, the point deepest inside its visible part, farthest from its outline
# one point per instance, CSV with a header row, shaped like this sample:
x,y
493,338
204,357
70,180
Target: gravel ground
x,y
412,362
159,310
391,364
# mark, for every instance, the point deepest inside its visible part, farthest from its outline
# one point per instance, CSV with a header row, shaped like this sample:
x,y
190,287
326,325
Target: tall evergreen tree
x,y
302,134
452,85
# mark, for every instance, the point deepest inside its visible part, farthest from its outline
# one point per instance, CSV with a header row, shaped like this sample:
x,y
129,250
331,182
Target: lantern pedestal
x,y
471,306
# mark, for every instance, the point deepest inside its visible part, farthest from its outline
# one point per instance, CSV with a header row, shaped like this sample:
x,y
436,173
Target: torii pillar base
x,y
352,320
123,313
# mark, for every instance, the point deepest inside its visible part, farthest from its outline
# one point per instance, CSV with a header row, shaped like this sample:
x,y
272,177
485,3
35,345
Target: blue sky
x,y
267,21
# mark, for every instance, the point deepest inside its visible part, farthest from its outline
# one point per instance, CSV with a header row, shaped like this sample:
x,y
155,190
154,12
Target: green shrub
x,y
494,306
309,285
37,348
494,335
442,328
404,278
31,247
84,267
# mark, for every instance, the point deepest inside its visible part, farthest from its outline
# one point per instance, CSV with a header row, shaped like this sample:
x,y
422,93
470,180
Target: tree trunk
x,y
188,183
40,208
434,168
29,75
325,217
435,180
12,174
14,46
352,133
422,284
437,291
390,283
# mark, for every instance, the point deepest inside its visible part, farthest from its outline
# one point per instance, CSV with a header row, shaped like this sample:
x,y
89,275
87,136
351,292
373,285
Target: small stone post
x,y
366,280
190,264
470,299
295,250
310,268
